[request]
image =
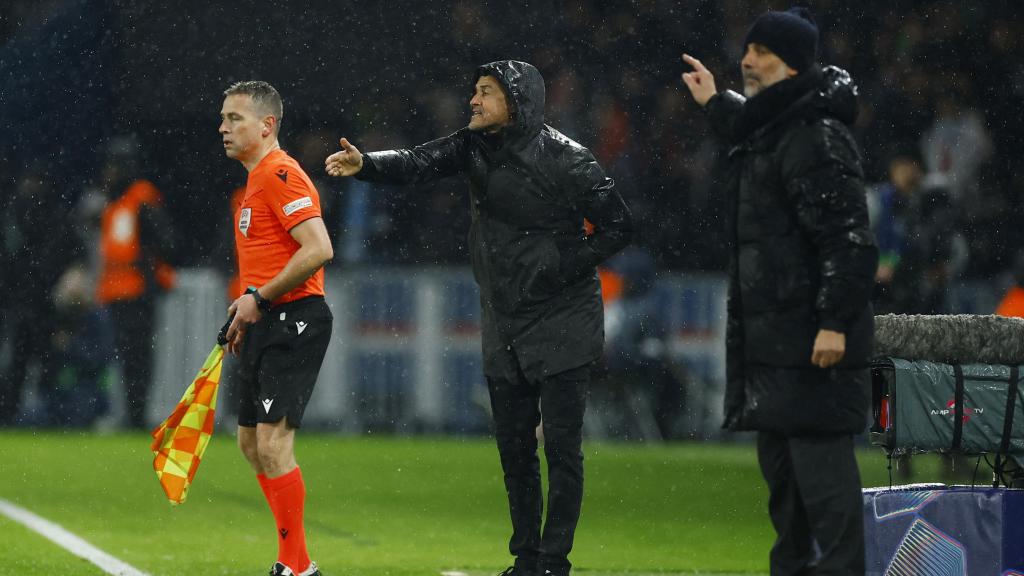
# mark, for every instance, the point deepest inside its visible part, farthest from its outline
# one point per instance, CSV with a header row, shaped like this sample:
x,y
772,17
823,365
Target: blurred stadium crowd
x,y
100,94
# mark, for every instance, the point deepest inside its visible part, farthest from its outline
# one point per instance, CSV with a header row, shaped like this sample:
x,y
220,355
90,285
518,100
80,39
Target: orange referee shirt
x,y
278,196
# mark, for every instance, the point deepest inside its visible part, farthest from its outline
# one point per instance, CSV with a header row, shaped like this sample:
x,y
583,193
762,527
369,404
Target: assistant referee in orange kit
x,y
282,324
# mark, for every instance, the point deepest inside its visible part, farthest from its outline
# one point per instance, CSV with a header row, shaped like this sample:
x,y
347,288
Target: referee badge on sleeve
x,y
293,207
243,221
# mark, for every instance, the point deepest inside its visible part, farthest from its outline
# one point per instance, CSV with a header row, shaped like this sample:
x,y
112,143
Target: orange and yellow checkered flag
x,y
179,442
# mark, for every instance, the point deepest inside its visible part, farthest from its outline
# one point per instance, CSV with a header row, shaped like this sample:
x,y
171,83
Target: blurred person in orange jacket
x,y
136,240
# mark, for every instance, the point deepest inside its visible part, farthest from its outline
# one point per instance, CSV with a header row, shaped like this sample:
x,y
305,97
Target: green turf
x,y
25,552
385,507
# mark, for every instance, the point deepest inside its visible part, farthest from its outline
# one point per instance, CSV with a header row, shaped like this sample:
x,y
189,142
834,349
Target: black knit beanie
x,y
792,35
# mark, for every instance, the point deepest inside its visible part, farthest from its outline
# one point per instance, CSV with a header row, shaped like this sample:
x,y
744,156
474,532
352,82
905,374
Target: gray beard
x,y
752,90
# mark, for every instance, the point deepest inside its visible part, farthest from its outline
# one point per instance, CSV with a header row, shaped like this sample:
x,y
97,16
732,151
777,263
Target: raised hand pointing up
x,y
700,82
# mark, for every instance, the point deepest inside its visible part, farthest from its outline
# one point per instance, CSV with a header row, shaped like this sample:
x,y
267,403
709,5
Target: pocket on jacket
x,y
774,276
757,278
541,279
527,273
793,275
476,246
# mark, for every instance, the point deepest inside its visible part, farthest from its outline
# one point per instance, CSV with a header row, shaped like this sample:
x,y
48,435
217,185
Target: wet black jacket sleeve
x,y
600,203
724,109
431,161
825,185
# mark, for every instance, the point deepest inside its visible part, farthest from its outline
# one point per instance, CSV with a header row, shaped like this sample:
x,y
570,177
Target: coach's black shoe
x,y
513,571
555,571
279,569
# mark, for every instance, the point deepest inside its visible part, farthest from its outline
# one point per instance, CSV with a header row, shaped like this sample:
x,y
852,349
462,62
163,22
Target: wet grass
x,y
385,507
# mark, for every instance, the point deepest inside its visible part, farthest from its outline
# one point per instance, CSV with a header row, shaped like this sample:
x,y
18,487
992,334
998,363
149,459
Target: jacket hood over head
x,y
524,90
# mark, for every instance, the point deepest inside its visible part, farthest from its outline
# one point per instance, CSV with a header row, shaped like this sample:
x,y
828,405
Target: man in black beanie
x,y
802,263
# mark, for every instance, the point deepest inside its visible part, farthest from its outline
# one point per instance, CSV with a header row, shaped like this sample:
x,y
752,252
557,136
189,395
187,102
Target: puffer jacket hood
x,y
819,92
837,95
524,88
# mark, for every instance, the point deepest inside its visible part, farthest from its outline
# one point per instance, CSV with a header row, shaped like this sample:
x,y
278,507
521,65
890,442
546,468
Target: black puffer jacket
x,y
530,190
803,257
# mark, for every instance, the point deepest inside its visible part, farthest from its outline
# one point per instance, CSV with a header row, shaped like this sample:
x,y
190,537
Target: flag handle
x,y
222,336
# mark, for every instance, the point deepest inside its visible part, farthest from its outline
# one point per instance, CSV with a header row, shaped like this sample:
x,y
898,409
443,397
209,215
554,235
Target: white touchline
x,y
453,573
68,541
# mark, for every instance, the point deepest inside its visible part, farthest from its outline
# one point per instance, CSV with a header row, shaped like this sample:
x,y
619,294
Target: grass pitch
x,y
384,507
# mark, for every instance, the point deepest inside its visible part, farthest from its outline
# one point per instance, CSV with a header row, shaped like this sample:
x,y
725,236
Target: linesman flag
x,y
180,441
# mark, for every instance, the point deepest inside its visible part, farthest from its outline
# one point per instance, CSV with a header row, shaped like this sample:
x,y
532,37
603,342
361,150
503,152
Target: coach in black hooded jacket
x,y
530,190
800,325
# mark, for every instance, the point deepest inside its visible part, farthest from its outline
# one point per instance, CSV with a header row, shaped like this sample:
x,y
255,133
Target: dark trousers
x,y
518,408
133,327
815,504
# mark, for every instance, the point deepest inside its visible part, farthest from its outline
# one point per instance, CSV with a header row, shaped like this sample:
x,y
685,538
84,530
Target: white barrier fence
x,y
405,355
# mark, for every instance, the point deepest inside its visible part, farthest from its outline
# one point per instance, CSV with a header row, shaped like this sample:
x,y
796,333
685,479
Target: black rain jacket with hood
x,y
530,190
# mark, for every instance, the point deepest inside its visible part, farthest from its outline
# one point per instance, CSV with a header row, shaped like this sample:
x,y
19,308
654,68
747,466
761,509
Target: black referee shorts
x,y
280,361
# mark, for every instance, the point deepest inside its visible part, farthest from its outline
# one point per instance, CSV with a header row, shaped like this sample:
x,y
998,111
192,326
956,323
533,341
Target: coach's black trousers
x,y
815,504
519,406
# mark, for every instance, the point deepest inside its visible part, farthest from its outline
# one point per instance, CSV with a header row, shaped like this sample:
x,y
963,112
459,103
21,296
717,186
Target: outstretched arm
x,y
431,161
346,162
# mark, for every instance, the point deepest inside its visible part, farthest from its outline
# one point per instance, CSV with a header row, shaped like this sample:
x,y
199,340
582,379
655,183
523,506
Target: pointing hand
x,y
700,82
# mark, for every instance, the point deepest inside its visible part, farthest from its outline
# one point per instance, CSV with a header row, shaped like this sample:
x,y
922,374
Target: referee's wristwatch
x,y
262,303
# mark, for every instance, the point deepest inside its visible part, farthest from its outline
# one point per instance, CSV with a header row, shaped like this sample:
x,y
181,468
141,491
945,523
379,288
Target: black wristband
x,y
262,303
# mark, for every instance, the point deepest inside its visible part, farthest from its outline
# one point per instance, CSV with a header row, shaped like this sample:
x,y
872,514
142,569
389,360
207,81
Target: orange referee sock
x,y
262,479
287,498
